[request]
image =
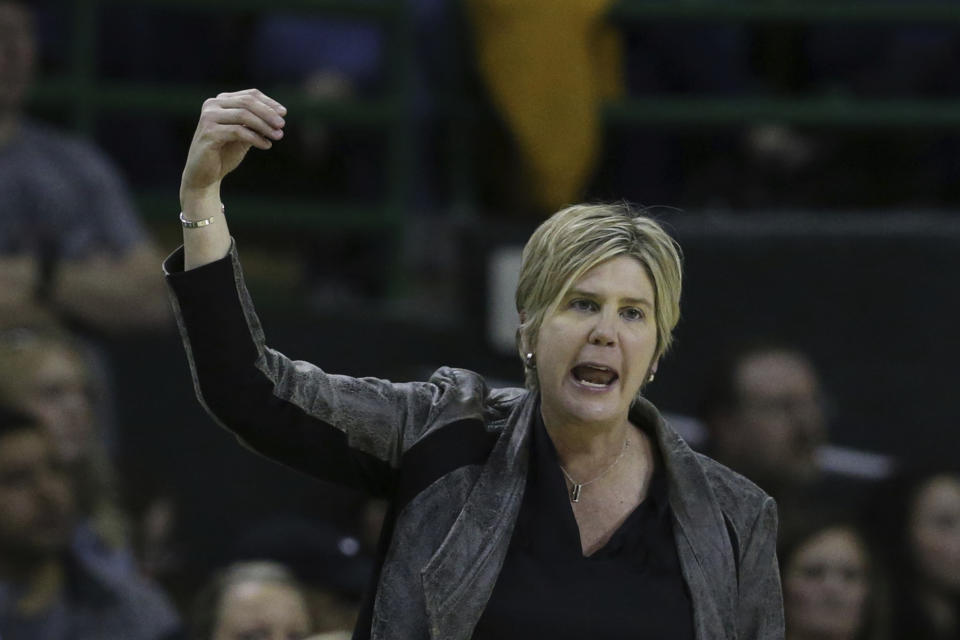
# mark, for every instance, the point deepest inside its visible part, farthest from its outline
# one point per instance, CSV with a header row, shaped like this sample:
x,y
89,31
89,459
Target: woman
x,y
923,529
831,586
569,509
252,601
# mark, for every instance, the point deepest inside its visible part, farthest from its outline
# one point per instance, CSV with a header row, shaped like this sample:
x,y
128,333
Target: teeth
x,y
595,385
594,376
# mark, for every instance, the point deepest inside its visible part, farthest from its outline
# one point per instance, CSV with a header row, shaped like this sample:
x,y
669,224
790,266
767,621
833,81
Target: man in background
x,y
70,242
766,417
49,591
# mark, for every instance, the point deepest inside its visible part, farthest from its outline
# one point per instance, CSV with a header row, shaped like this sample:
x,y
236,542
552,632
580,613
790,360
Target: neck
x,y
586,449
577,439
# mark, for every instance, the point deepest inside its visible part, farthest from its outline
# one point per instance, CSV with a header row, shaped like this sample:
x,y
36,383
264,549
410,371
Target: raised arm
x,y
354,431
229,125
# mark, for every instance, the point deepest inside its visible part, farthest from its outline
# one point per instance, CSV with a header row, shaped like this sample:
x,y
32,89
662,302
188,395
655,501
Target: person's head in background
x,y
919,514
329,563
36,502
43,373
18,58
832,588
256,600
765,415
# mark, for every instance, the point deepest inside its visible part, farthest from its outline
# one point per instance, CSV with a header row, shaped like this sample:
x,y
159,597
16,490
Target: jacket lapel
x,y
703,543
459,578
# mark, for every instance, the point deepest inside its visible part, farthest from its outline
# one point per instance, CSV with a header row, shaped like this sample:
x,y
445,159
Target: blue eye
x,y
632,313
581,304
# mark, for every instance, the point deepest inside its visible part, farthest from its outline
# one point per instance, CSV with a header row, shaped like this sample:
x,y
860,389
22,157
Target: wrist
x,y
200,199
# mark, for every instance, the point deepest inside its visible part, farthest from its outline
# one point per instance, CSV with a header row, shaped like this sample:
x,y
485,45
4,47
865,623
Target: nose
x,y
807,416
603,333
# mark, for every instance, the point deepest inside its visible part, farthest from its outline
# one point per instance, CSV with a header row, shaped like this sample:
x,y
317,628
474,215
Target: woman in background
x,y
832,587
923,533
252,601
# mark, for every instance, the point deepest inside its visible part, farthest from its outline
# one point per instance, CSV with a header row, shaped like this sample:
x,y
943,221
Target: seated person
x,y
832,586
71,244
766,417
252,600
47,591
918,519
44,374
329,563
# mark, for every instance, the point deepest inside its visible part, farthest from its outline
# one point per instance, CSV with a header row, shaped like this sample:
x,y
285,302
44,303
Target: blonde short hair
x,y
574,240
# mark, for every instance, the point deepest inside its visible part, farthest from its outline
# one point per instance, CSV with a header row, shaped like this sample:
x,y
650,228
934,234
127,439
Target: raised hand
x,y
229,125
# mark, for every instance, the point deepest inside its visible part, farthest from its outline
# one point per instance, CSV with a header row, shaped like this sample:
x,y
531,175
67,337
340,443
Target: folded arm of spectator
x,y
114,292
107,292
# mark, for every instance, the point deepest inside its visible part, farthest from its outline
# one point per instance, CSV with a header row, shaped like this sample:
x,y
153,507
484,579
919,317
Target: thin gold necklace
x,y
578,486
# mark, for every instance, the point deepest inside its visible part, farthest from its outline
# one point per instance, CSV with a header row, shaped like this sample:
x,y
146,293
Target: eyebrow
x,y
643,302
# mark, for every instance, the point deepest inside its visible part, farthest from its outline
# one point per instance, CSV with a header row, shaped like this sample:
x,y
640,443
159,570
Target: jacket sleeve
x,y
347,430
760,600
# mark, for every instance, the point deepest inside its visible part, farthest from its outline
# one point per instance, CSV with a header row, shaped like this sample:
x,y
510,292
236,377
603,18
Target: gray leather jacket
x,y
451,529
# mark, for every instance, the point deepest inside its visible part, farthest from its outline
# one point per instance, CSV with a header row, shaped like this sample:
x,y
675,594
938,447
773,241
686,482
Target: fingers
x,y
240,133
261,96
257,103
250,108
249,120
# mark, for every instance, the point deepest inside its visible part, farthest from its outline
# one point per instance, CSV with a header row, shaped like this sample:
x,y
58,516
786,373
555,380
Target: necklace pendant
x,y
575,492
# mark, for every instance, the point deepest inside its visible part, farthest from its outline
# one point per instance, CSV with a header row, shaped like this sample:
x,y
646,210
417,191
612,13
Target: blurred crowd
x,y
870,549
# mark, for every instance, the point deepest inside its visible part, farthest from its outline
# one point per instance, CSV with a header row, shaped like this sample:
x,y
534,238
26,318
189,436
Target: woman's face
x,y
595,350
262,611
935,532
825,586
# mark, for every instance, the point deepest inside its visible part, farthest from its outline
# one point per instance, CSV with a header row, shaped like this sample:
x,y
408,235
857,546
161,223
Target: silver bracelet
x,y
196,224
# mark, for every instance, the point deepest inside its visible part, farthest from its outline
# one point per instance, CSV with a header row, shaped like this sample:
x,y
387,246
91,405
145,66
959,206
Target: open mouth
x,y
594,375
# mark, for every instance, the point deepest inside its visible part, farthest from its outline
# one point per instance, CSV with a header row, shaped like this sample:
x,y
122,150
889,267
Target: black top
x,y
631,588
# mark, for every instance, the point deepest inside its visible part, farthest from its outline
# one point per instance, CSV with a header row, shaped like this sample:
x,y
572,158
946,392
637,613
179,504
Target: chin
x,y
595,412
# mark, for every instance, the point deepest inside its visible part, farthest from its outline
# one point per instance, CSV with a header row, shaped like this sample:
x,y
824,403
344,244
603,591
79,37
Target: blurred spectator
x,y
832,588
70,242
328,562
766,417
44,374
252,600
918,519
47,590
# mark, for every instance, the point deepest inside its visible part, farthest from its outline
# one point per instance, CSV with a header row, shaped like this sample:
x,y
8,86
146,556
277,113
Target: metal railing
x,y
88,97
91,96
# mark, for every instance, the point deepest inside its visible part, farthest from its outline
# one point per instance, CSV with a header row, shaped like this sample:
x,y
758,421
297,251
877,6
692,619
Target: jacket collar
x,y
703,542
459,578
